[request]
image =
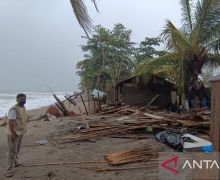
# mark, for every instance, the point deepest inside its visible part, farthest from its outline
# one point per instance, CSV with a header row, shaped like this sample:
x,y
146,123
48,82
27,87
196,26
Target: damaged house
x,y
139,91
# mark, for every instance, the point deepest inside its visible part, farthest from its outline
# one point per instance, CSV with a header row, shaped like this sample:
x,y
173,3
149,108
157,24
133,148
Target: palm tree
x,y
81,13
191,48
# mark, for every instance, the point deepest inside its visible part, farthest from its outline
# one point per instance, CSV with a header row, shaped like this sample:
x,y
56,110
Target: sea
x,y
34,100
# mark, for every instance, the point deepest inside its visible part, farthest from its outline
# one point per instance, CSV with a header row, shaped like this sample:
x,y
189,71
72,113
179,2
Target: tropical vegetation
x,y
191,48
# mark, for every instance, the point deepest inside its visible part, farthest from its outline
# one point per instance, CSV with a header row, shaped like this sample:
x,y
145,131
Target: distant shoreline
x,y
35,100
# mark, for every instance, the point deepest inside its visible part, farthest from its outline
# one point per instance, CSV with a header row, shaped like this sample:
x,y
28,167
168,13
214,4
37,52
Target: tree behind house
x,y
108,58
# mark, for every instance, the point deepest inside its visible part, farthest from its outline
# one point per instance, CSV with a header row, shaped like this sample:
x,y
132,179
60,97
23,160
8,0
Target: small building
x,y
140,91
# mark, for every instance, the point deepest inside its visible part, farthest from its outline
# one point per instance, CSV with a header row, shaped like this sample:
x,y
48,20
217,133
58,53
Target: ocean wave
x,y
34,100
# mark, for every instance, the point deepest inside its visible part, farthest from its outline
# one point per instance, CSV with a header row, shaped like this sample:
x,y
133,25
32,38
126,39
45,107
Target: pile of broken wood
x,y
129,120
59,109
131,156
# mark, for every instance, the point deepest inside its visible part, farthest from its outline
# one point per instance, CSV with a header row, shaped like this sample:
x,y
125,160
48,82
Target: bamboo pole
x,y
122,169
64,163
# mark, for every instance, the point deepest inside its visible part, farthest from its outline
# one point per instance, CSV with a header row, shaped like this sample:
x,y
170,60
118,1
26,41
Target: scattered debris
x,y
84,104
51,117
151,102
42,142
130,122
199,142
53,110
131,156
61,105
133,120
98,94
111,111
3,122
172,138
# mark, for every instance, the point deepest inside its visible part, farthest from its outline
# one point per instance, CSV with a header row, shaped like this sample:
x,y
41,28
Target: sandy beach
x,y
32,153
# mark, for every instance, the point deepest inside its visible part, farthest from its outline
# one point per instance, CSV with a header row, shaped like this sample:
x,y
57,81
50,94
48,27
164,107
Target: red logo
x,y
173,163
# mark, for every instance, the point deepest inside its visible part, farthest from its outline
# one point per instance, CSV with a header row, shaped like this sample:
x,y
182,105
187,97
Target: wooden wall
x,y
135,95
215,117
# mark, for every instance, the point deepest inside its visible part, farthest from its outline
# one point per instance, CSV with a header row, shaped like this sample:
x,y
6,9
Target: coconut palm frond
x,y
207,17
187,15
175,39
213,60
191,48
82,16
168,72
214,45
95,4
154,65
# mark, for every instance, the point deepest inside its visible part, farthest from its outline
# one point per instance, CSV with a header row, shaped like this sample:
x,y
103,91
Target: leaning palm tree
x,y
81,13
191,48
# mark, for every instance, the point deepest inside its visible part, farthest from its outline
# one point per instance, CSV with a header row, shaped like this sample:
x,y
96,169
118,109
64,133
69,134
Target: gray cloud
x,y
39,39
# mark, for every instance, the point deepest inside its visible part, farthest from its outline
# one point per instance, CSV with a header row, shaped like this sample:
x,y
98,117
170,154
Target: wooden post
x,y
107,99
99,103
215,117
61,105
84,104
215,113
89,100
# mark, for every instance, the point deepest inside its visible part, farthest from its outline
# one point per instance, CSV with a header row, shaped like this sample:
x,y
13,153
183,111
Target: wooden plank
x,y
70,100
193,123
154,99
84,105
61,104
122,169
64,163
59,107
153,116
111,111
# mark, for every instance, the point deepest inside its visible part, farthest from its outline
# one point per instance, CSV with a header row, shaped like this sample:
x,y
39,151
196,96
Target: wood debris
x,y
3,122
94,133
137,120
112,111
152,101
61,105
64,163
120,169
53,110
131,156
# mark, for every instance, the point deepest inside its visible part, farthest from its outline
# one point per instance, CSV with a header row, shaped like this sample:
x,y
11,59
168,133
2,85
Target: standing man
x,y
16,128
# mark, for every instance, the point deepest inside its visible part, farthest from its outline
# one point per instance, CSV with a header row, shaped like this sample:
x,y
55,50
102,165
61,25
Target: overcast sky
x,y
40,39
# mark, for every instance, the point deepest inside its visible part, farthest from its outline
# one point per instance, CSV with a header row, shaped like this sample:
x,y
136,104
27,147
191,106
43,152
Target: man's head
x,y
21,99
